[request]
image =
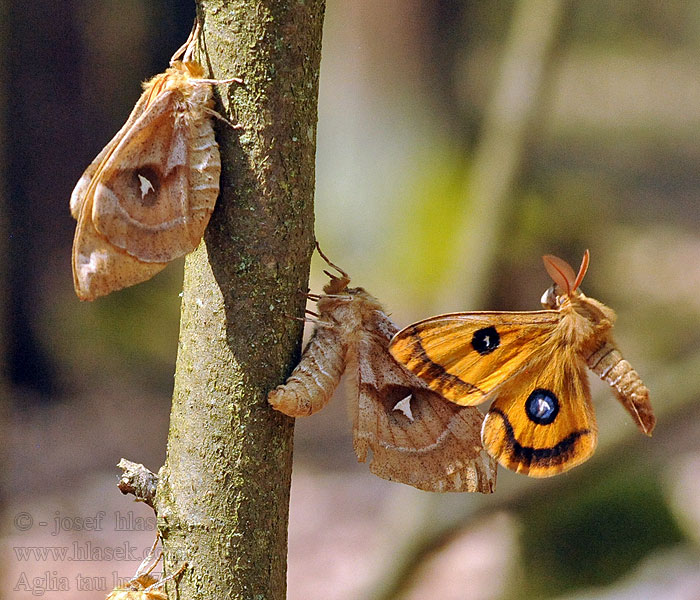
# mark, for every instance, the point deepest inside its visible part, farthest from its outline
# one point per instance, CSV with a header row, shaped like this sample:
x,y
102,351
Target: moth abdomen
x,y
313,381
608,364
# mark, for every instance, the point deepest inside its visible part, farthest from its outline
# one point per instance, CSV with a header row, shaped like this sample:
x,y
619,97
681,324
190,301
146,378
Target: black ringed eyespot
x,y
542,406
486,340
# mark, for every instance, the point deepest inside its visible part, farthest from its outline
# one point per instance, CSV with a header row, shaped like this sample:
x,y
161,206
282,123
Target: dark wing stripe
x,y
542,457
431,372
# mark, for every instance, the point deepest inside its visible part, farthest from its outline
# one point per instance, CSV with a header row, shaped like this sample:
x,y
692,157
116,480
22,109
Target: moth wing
x,y
416,437
542,422
79,194
99,268
143,201
466,356
129,225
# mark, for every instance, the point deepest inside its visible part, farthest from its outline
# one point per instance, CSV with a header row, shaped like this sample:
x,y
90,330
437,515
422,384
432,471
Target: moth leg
x,y
211,111
330,264
317,321
340,296
144,569
302,319
170,577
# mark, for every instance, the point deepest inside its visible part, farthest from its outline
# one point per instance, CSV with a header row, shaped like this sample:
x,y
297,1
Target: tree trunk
x,y
223,495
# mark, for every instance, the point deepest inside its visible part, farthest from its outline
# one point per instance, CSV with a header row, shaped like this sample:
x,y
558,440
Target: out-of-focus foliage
x,y
594,534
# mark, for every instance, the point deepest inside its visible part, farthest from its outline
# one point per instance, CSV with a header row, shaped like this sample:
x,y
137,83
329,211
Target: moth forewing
x,y
159,187
79,193
99,268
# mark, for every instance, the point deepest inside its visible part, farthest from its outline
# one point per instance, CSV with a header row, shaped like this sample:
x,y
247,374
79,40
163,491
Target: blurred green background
x,y
457,143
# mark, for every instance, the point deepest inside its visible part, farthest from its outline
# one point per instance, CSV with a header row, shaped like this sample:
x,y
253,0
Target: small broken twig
x,y
138,480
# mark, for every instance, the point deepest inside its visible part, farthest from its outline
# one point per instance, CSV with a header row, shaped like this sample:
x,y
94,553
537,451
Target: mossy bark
x,y
223,494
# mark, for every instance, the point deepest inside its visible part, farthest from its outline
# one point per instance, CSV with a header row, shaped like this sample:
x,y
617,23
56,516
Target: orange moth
x,y
532,366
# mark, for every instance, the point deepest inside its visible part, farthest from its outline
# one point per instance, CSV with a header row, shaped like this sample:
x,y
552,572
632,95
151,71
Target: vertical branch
x,y
223,494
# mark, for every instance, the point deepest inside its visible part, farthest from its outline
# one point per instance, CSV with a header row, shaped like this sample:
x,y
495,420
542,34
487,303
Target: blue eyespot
x,y
486,340
542,406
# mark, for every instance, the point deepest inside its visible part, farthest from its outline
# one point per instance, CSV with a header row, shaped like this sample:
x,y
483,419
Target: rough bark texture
x,y
223,494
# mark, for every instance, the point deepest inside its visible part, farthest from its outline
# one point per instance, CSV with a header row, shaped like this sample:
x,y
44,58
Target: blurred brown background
x,y
457,143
